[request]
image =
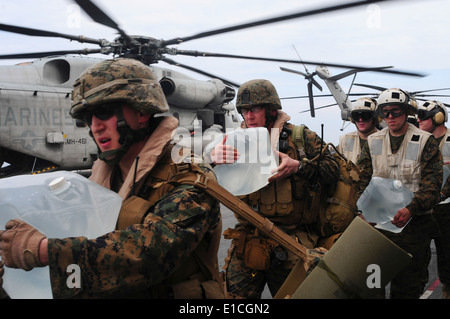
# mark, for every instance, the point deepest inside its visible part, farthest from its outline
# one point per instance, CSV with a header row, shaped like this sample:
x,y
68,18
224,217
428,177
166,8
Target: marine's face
x,y
104,129
365,126
395,118
426,125
255,116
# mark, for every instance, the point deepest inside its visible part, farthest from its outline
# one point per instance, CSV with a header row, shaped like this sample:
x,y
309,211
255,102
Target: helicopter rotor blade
x,y
43,33
311,100
99,16
293,71
415,93
316,84
350,72
434,95
187,67
324,95
234,56
247,25
37,55
431,90
378,88
320,107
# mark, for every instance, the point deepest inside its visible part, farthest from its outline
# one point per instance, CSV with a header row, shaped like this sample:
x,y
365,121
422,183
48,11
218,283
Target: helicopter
x,y
42,135
37,134
341,97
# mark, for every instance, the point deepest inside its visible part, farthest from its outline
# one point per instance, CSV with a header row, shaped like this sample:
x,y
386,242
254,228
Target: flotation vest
x,y
403,165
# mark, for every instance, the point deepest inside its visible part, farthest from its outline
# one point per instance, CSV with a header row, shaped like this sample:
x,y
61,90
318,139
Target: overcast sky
x,y
409,35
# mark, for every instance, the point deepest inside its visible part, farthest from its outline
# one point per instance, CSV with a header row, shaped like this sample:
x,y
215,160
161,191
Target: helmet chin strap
x,y
127,137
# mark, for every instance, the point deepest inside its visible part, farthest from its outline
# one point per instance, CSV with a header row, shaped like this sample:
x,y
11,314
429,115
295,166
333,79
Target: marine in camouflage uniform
x,y
167,249
253,259
402,151
432,116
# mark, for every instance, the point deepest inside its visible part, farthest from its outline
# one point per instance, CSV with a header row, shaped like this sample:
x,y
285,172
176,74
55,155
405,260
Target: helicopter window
x,y
80,123
57,71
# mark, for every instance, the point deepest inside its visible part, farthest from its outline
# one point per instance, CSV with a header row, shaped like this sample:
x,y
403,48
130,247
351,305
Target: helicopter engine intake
x,y
193,94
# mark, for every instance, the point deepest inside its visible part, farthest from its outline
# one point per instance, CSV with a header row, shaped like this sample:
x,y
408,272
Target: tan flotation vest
x,y
403,165
444,146
350,146
198,277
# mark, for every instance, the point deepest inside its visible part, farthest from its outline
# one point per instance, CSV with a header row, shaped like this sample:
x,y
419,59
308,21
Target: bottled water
x,y
381,200
59,204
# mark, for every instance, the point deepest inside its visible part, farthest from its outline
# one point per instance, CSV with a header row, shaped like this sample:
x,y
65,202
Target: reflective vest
x,y
403,165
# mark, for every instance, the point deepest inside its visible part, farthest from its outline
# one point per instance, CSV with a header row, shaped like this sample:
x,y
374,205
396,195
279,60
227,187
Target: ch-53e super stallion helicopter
x,y
342,97
35,129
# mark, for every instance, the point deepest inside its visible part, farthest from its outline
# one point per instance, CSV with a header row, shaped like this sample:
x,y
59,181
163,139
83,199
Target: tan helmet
x,y
118,80
257,92
436,110
397,97
366,104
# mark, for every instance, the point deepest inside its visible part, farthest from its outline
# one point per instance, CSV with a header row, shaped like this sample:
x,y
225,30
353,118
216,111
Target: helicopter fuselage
x,y
35,100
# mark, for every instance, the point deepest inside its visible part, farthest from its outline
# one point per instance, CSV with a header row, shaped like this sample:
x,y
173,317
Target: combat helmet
x,y
365,104
397,97
112,83
118,80
434,110
257,92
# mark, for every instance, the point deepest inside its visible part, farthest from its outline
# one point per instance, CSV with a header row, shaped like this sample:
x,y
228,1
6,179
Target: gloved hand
x,y
19,245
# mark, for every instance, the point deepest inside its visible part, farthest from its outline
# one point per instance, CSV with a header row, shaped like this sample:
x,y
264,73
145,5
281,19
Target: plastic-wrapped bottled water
x,y
59,204
381,200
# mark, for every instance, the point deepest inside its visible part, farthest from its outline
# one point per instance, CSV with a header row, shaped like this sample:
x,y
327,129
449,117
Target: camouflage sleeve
x,y
365,165
446,189
142,255
430,183
328,167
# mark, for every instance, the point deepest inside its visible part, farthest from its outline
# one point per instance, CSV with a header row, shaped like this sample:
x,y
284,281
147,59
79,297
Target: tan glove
x,y
19,245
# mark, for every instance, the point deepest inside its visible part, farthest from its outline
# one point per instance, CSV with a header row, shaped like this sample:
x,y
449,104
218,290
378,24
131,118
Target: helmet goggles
x,y
395,110
425,115
363,115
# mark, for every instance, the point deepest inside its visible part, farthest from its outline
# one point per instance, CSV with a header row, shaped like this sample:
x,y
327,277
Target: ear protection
x,y
441,115
438,118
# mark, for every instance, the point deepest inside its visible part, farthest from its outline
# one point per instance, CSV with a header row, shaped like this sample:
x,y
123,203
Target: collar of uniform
x,y
160,138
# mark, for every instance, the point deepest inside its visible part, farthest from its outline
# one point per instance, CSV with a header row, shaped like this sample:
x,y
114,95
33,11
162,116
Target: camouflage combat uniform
x,y
415,238
441,217
285,211
145,259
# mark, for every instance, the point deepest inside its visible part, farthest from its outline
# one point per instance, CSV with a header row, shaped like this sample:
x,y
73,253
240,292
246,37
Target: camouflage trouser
x,y
243,282
441,236
415,239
